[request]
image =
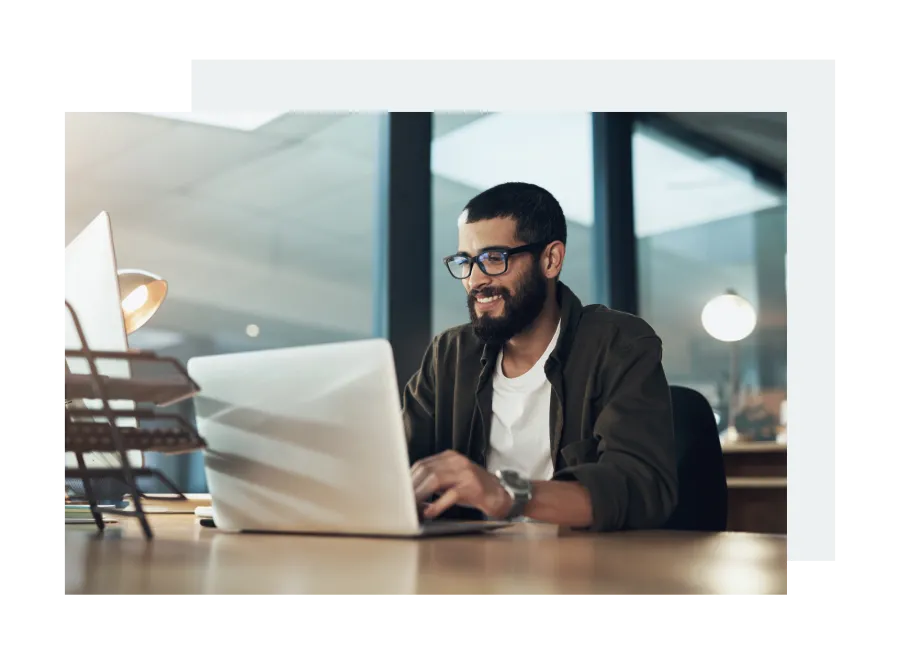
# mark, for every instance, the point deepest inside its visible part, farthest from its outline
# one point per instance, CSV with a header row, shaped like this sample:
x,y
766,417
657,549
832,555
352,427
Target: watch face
x,y
515,480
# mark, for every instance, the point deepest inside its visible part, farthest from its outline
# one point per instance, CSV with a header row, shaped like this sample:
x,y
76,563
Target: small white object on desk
x,y
782,434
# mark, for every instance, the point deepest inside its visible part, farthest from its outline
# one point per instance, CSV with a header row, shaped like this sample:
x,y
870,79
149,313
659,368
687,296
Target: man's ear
x,y
552,261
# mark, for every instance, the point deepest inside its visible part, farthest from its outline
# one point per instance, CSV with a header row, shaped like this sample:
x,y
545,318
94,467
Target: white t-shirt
x,y
520,426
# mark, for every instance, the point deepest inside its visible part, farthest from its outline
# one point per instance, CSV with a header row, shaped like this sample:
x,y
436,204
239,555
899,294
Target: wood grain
x,y
185,558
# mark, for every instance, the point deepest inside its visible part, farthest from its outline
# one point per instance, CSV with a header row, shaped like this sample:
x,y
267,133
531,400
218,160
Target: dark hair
x,y
538,216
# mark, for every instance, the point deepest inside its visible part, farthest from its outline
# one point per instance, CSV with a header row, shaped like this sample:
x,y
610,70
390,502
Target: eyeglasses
x,y
491,262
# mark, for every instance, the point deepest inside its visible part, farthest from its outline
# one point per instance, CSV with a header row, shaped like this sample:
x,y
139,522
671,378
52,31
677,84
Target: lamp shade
x,y
141,295
728,317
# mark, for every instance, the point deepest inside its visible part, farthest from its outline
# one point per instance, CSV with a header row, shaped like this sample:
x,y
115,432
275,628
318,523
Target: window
x,y
705,225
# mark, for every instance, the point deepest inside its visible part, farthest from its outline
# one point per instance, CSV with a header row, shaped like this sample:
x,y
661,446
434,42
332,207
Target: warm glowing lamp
x,y
142,293
730,318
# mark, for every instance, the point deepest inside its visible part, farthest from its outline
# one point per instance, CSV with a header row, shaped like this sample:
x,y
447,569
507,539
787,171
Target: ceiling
x,y
275,226
756,136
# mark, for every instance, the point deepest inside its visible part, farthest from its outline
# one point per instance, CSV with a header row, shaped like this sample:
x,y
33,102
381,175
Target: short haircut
x,y
538,216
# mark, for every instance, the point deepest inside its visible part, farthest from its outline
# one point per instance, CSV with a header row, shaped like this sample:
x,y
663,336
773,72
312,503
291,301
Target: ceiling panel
x,y
226,229
287,179
278,243
299,125
198,273
182,156
347,211
86,198
356,133
95,137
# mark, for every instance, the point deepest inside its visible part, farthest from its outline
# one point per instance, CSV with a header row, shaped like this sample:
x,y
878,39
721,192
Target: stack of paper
x,y
82,513
171,503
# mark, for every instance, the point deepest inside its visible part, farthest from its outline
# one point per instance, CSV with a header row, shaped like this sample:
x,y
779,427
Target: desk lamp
x,y
142,293
730,318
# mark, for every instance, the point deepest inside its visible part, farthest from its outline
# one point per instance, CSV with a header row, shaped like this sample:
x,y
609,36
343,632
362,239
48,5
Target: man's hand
x,y
460,482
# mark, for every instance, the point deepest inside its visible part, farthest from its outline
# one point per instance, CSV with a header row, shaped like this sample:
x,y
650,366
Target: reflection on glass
x,y
703,225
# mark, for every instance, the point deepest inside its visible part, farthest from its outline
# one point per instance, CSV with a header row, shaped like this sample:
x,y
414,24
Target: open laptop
x,y
310,440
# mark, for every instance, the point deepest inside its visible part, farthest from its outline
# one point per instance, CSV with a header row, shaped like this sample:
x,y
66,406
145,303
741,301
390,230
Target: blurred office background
x,y
290,229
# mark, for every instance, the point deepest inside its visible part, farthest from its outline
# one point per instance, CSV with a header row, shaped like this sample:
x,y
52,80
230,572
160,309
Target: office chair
x,y
702,491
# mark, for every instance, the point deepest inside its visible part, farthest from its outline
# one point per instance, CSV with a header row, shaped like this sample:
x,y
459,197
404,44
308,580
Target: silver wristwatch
x,y
519,489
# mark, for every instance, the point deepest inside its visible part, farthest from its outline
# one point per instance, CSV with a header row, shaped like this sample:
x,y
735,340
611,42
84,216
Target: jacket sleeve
x,y
419,410
633,479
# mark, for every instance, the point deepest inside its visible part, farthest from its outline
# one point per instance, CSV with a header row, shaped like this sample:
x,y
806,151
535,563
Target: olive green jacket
x,y
610,424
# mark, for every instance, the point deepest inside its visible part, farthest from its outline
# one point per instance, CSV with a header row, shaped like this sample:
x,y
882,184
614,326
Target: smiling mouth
x,y
486,300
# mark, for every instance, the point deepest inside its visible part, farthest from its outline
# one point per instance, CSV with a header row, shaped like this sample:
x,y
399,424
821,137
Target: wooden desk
x,y
757,487
185,558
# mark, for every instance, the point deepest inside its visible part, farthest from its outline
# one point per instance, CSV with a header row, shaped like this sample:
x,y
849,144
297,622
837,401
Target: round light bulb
x,y
728,317
136,299
142,294
252,330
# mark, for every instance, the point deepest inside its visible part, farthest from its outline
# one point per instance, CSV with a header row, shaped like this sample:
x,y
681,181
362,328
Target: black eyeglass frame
x,y
478,259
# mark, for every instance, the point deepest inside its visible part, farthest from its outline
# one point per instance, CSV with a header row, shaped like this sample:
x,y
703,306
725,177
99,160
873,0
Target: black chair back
x,y
702,490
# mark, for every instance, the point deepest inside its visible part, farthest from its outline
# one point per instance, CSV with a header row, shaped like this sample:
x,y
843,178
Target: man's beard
x,y
519,311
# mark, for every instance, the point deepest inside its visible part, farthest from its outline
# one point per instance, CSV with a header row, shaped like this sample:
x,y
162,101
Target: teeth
x,y
486,300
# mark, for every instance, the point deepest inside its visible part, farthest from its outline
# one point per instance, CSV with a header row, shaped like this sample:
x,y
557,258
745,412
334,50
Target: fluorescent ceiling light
x,y
674,187
245,121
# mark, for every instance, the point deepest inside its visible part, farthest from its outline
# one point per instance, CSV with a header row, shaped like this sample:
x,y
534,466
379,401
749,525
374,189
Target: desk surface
x,y
753,447
185,558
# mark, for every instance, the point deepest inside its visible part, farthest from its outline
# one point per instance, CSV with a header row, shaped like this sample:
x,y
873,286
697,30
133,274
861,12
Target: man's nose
x,y
478,279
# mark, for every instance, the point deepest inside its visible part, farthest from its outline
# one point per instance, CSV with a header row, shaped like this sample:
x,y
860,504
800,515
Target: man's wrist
x,y
517,492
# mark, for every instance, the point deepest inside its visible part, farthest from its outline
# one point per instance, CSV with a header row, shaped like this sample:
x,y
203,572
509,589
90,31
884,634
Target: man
x,y
539,407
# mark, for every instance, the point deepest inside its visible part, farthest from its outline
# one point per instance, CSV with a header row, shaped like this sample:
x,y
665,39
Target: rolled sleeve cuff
x,y
608,491
622,499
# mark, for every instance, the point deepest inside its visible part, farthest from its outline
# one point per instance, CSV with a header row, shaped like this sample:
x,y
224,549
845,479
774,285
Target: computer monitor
x,y
92,289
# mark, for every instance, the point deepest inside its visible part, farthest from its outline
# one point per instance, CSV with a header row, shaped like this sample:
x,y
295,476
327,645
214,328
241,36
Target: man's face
x,y
501,306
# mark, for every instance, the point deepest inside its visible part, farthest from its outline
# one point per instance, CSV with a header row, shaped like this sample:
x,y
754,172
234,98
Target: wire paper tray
x,y
98,429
